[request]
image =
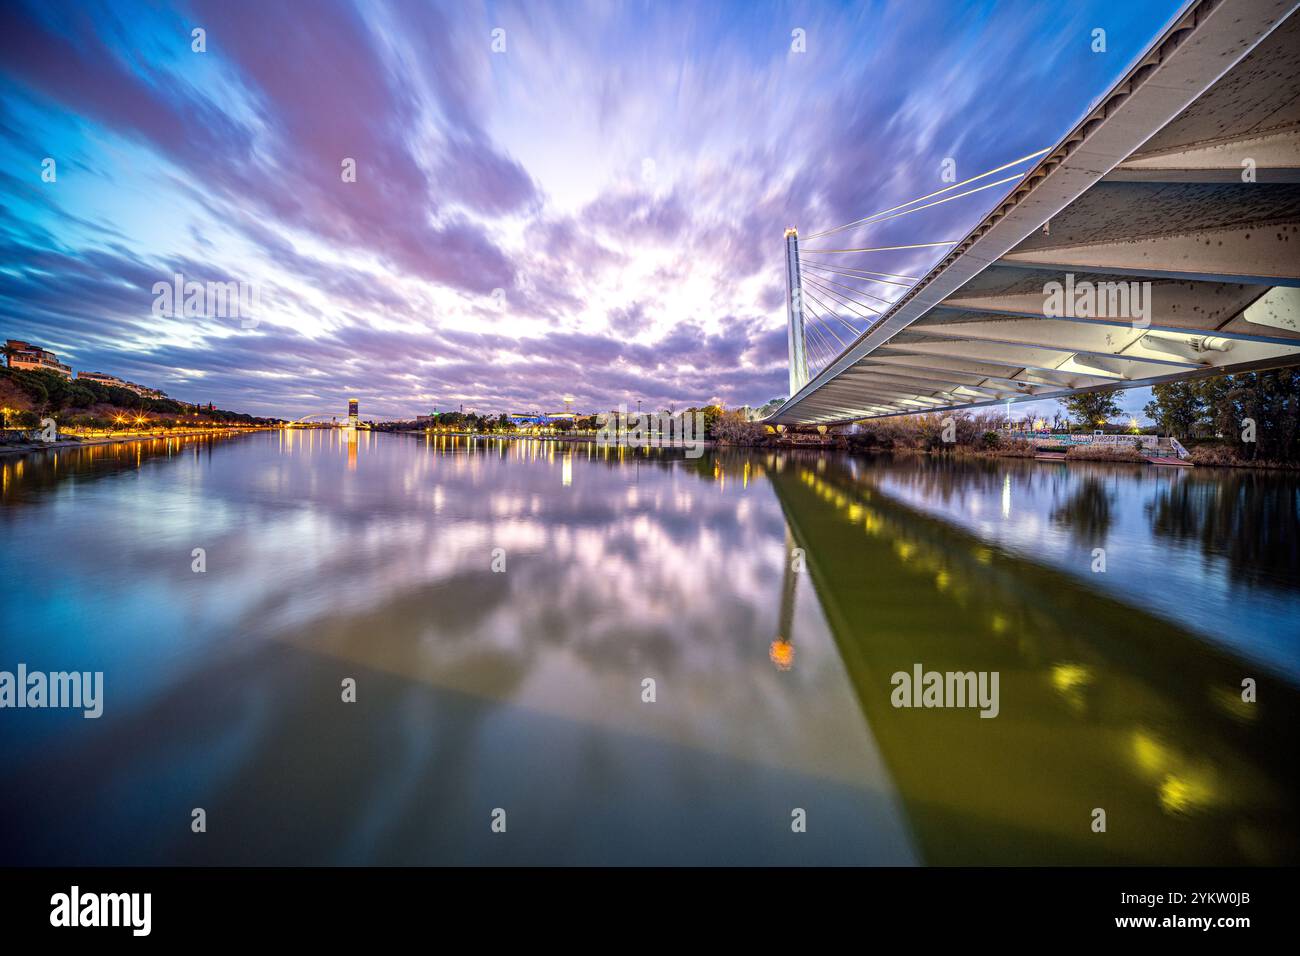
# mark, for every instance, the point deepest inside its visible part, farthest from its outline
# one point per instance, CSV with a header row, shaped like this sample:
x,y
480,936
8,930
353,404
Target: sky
x,y
550,199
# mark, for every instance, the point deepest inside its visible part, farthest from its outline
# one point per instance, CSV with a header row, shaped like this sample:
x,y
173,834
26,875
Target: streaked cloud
x,y
596,211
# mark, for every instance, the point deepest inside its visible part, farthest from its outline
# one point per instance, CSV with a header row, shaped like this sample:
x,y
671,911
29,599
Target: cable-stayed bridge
x,y
1158,240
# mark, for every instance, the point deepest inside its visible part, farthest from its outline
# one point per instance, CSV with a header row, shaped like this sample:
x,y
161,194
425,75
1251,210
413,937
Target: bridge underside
x,y
1177,179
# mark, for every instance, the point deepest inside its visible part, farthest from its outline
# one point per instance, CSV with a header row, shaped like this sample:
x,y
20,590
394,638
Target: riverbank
x,y
698,442
73,441
1022,450
1217,456
1013,449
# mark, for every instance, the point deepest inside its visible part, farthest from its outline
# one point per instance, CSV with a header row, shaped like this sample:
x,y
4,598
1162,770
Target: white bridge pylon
x,y
794,306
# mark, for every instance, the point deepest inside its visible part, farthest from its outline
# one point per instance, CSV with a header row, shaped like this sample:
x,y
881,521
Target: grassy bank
x,y
1220,455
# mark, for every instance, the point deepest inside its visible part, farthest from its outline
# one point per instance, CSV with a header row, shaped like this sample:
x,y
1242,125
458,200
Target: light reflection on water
x,y
371,559
1186,544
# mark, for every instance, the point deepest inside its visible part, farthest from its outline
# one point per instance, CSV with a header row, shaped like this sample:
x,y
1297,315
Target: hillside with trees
x,y
29,396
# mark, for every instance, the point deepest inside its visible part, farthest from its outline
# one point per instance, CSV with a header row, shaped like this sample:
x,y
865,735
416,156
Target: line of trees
x,y
1256,415
487,423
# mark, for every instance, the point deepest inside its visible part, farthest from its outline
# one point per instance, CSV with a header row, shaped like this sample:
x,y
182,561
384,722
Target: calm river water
x,y
503,607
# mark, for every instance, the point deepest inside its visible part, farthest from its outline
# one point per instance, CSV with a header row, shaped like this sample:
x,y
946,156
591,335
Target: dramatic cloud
x,y
570,198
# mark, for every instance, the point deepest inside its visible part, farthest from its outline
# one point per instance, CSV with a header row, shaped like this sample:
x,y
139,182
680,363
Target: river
x,y
562,653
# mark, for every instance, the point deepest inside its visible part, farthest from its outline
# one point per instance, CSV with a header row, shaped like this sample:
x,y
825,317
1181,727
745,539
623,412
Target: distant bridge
x,y
350,422
306,420
1186,176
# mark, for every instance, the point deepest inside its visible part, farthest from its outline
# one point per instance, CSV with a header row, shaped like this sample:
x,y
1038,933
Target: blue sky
x,y
594,208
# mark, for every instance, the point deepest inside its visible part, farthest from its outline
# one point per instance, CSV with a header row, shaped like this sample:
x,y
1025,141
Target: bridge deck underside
x,y
1188,241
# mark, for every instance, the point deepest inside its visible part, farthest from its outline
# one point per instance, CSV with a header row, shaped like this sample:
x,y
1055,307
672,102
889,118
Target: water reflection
x,y
371,556
1086,512
1103,706
1249,517
1185,546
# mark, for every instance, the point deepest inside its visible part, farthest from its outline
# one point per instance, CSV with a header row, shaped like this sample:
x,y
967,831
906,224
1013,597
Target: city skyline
x,y
515,230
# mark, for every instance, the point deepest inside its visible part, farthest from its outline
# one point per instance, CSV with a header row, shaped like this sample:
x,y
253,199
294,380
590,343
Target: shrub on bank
x,y
1014,448
938,433
1227,455
24,420
1214,453
731,428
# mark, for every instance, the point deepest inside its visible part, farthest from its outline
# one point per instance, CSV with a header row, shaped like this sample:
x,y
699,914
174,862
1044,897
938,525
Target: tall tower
x,y
353,412
794,303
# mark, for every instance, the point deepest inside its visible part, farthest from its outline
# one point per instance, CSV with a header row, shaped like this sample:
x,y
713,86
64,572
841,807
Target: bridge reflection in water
x,y
1102,704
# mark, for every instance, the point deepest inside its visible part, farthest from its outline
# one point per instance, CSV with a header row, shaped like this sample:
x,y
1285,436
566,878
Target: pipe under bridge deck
x,y
1159,240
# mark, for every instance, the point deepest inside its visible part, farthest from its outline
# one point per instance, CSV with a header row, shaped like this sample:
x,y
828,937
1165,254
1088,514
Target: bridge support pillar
x,y
794,304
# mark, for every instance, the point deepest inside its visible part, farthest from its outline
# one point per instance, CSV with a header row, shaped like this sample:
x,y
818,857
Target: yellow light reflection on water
x,y
1070,680
781,653
1183,795
1068,677
1183,785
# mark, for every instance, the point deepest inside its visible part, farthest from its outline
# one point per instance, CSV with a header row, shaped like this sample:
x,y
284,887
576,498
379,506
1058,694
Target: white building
x,y
33,358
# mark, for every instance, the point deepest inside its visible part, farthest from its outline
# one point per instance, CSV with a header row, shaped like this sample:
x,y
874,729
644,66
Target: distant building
x,y
103,378
33,358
